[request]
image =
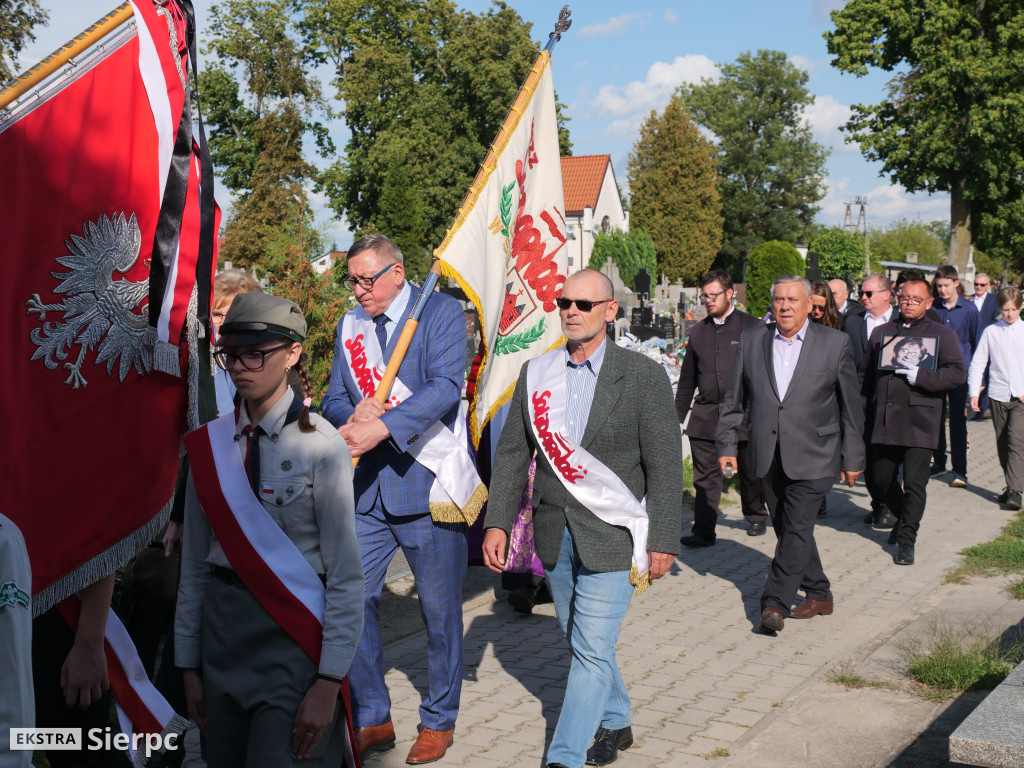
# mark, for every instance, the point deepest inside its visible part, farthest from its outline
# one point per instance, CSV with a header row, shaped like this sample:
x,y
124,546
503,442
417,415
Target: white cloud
x,y
803,62
825,116
655,90
617,25
821,10
670,16
886,203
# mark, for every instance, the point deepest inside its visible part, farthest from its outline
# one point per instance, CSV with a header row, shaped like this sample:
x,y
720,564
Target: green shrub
x,y
841,254
767,262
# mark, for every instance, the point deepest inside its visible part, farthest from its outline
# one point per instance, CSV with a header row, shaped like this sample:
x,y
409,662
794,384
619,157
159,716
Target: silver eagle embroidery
x,y
98,310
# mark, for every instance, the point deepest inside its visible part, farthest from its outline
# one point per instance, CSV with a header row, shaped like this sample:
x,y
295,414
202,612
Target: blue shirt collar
x,y
800,335
397,307
593,362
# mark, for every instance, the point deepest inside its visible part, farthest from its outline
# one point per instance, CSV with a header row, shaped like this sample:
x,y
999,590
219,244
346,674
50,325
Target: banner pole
x,y
409,329
27,80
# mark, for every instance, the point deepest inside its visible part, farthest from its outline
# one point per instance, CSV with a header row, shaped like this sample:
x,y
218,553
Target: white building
x,y
593,203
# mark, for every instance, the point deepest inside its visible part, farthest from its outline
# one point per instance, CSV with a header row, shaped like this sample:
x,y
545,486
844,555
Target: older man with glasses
x,y
710,353
988,313
904,410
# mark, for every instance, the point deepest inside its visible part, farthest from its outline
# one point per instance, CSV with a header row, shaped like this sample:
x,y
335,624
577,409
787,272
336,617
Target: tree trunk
x,y
959,228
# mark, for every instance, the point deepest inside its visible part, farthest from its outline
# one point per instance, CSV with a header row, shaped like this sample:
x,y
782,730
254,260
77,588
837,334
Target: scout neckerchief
x,y
260,552
457,493
589,481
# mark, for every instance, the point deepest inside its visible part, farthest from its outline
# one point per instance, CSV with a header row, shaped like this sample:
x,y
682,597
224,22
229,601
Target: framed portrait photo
x,y
898,351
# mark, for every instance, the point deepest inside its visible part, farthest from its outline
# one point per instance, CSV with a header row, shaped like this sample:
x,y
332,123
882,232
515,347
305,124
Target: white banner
x,y
507,245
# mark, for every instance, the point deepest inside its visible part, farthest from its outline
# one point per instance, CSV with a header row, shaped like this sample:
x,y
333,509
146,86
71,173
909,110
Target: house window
x,y
606,224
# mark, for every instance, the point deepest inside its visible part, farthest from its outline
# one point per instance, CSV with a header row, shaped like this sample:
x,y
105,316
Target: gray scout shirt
x,y
310,475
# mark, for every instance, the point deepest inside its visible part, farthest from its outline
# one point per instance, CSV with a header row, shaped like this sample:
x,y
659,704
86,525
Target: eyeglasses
x,y
912,300
710,296
869,294
982,285
817,307
583,305
366,283
252,360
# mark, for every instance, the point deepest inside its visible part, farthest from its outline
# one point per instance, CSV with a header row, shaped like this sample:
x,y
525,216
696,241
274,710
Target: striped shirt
x,y
581,381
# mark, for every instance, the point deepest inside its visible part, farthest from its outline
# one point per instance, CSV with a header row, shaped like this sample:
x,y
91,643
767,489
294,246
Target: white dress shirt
x,y
1002,349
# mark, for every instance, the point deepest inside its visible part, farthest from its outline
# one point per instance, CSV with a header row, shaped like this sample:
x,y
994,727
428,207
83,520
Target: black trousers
x,y
793,506
906,502
52,639
707,485
957,432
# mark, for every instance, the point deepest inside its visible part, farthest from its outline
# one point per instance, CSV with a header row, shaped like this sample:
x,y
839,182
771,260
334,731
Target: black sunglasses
x,y
583,305
869,294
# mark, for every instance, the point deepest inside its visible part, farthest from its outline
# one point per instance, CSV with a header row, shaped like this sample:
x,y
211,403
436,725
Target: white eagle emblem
x,y
98,309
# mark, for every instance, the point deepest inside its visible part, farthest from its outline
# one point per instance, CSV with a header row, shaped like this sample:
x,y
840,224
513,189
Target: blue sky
x,y
619,61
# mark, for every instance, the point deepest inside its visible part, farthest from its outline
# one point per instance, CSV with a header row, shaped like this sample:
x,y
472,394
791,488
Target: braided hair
x,y
302,373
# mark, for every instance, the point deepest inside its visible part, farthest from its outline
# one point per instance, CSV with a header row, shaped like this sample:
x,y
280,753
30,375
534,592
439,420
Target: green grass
x,y
1016,589
958,659
716,753
688,472
1003,555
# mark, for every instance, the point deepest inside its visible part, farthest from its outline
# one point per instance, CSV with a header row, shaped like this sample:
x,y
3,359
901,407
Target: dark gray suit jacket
x,y
818,426
632,430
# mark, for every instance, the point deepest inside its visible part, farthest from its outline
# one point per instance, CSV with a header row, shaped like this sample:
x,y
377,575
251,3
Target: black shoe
x,y
607,744
696,541
1002,497
892,535
870,517
885,519
557,765
522,599
1013,500
904,555
936,471
757,528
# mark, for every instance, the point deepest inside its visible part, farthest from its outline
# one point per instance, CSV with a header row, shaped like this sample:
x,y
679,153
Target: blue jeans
x,y
590,607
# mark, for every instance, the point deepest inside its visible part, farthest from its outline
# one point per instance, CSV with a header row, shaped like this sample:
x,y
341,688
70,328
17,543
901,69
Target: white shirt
x,y
979,301
1002,349
716,321
873,322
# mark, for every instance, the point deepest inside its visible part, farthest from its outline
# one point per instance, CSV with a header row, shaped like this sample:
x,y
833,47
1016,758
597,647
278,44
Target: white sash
x,y
457,493
589,481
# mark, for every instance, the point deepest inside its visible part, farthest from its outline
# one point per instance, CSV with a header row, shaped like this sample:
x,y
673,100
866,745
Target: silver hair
x,y
782,279
384,247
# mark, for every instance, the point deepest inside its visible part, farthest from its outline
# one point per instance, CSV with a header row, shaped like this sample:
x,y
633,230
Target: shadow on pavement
x,y
731,561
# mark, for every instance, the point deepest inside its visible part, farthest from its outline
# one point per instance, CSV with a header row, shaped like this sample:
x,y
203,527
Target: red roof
x,y
582,176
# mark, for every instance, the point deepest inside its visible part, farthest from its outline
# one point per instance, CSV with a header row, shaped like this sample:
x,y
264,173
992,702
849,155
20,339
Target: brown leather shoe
x,y
810,608
771,619
430,745
375,738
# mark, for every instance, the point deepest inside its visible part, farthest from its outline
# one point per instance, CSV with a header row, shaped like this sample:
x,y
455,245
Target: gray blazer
x,y
632,430
819,424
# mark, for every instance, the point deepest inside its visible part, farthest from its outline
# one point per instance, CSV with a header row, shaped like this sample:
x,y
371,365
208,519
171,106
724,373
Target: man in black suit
x,y
876,298
710,353
806,426
904,411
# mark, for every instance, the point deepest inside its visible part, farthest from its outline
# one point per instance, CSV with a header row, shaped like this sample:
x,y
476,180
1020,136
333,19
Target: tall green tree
x,y
260,104
426,87
770,168
949,120
768,261
840,253
671,171
18,18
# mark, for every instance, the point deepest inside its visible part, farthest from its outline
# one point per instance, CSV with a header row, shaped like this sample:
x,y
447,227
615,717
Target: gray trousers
x,y
1008,420
255,676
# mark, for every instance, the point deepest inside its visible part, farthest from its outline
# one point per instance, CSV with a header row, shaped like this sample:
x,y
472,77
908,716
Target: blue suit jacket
x,y
433,368
989,312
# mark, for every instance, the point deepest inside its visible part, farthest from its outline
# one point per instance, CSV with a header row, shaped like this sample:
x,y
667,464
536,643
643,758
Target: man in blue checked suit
x,y
392,489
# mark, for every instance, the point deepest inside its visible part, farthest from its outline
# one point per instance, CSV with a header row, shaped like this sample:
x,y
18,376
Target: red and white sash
x,y
589,481
457,493
260,552
141,708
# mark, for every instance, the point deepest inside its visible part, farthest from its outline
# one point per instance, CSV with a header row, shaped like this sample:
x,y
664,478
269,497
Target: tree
x,y
948,121
904,236
768,261
840,254
426,87
629,252
770,168
256,139
17,18
671,171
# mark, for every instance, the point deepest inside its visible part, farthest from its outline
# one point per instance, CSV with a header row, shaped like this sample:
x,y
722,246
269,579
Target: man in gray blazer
x,y
618,409
806,425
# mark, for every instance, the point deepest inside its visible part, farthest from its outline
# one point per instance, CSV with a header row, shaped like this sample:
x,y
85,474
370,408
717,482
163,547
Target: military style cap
x,y
256,317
